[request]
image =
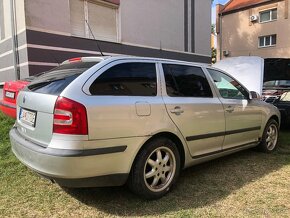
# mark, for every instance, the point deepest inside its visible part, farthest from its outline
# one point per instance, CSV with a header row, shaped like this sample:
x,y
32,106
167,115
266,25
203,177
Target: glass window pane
x,y
261,41
55,81
267,42
274,39
264,16
274,14
227,86
186,81
128,79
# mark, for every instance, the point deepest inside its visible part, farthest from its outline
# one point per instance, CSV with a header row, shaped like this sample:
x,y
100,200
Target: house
x,y
253,28
37,35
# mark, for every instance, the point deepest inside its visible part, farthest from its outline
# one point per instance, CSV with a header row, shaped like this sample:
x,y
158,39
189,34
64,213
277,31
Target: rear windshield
x,y
56,80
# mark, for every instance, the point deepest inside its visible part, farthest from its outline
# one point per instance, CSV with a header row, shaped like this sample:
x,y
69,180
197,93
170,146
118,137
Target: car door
x,y
194,108
243,116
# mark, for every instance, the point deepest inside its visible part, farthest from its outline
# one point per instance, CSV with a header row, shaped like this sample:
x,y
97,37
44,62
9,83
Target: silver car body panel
x,y
119,126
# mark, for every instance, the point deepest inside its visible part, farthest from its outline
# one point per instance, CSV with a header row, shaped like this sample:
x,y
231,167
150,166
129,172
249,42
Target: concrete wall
x,y
153,23
52,15
240,36
203,27
6,53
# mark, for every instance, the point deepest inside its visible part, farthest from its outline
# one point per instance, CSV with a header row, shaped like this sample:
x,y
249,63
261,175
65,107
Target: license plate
x,y
10,94
28,117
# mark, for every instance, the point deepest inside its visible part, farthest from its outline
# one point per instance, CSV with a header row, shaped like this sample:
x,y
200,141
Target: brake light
x,y
69,117
75,60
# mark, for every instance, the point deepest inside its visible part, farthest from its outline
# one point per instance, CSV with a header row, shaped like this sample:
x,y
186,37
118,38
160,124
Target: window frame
x,y
271,41
271,15
164,88
217,89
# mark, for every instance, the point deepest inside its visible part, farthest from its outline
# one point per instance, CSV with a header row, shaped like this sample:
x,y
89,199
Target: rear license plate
x,y
10,94
28,117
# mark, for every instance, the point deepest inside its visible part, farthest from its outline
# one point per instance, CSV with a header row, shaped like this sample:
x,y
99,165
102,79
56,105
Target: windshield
x,y
56,80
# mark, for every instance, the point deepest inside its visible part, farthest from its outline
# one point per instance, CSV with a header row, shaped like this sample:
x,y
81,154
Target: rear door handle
x,y
177,110
230,109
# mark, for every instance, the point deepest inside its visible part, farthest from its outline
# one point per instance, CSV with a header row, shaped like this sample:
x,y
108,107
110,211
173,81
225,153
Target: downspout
x,y
14,40
221,36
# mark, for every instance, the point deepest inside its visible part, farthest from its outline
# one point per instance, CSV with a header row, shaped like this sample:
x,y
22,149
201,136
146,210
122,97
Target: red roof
x,y
234,5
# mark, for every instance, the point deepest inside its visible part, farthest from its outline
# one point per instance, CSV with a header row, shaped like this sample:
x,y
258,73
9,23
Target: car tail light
x,y
69,117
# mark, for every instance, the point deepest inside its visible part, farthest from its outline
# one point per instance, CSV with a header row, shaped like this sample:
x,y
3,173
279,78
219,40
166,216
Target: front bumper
x,y
73,168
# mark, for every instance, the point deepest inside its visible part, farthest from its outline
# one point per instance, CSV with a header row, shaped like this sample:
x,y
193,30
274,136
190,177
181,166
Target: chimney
x,y
219,9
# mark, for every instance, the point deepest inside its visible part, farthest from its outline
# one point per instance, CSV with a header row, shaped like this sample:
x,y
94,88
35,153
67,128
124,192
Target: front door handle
x,y
230,109
177,110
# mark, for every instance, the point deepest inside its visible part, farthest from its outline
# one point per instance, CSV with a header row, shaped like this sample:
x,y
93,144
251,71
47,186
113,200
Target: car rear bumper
x,y
73,168
8,108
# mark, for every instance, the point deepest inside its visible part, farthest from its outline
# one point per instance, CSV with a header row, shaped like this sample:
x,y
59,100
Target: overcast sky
x,y
213,8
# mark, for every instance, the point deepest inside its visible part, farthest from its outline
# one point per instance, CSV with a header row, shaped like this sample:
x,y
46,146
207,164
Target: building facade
x,y
253,28
37,35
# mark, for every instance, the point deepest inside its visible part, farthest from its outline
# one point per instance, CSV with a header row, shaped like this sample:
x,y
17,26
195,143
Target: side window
x,y
127,79
186,81
227,86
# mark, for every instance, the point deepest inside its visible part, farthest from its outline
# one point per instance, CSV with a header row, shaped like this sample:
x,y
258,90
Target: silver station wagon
x,y
107,121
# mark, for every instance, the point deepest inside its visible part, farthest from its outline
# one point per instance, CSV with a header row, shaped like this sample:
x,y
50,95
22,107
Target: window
x,y
266,41
186,81
56,80
101,16
227,86
270,15
128,79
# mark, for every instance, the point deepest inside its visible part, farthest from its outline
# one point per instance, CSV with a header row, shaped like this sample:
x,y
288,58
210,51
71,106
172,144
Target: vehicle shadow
x,y
197,186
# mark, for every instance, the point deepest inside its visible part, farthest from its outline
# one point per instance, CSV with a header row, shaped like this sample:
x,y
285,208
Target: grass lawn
x,y
247,183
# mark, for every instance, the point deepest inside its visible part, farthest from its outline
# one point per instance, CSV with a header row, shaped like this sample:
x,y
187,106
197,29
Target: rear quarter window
x,y
127,79
56,80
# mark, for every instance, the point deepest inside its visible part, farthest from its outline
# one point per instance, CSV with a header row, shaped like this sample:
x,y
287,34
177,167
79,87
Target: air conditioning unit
x,y
226,53
254,18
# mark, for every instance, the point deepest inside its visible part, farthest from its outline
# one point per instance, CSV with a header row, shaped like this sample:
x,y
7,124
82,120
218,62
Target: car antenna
x,y
95,38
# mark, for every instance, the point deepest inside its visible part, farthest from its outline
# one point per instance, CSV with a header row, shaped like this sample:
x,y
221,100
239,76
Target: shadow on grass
x,y
197,186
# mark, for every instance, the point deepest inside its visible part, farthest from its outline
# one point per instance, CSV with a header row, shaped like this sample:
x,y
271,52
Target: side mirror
x,y
254,96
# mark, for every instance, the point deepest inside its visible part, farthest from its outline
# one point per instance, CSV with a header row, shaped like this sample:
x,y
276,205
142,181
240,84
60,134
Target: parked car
x,y
10,92
105,121
273,90
283,104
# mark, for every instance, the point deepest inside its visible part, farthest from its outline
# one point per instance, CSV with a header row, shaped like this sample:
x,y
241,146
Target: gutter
x,y
14,41
221,35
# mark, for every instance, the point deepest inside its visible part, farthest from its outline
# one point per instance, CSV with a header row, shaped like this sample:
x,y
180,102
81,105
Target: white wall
x,y
153,22
203,27
52,15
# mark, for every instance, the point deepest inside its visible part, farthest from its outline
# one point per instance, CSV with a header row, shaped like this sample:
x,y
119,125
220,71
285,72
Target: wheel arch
x,y
276,118
172,137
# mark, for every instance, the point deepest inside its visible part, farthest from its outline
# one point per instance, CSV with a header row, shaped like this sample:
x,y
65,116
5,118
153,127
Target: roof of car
x,y
120,57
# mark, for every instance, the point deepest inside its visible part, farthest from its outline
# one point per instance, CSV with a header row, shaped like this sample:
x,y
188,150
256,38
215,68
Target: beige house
x,y
253,28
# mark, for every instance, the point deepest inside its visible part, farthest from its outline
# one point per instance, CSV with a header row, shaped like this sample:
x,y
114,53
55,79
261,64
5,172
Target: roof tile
x,y
234,5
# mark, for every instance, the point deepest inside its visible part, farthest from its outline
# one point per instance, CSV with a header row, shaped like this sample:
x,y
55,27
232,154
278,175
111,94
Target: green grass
x,y
245,184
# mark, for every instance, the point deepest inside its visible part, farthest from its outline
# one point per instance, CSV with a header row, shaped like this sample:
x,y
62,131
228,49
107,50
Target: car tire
x,y
155,169
270,137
